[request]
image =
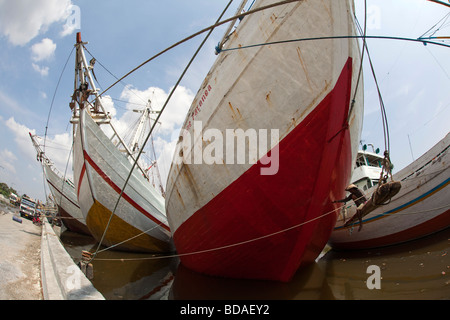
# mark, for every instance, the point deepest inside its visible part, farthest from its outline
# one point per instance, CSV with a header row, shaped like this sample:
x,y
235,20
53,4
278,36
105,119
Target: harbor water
x,y
418,269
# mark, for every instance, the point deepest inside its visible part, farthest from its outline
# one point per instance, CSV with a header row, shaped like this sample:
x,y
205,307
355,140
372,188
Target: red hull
x,y
72,223
68,220
314,169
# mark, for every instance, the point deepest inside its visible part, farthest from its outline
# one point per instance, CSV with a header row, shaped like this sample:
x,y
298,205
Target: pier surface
x,y
34,265
20,250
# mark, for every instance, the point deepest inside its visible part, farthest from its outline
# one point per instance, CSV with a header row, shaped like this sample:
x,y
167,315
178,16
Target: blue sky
x,y
36,39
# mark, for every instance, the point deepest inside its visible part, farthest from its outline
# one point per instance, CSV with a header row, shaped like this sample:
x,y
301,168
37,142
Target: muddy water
x,y
416,270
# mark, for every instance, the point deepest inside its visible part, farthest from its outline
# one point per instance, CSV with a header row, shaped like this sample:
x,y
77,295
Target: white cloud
x,y
165,135
175,111
166,150
42,70
108,104
43,50
22,137
23,20
57,148
7,160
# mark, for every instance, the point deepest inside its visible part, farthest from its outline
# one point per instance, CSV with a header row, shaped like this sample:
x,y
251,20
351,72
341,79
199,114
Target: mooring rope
x,y
162,256
230,245
210,29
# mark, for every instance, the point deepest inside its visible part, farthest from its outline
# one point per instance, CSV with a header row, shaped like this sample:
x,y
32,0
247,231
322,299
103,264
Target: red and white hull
x,y
422,206
100,170
63,192
66,199
266,217
121,207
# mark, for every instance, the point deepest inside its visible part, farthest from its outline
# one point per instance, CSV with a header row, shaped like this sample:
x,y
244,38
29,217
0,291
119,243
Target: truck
x,y
27,207
14,199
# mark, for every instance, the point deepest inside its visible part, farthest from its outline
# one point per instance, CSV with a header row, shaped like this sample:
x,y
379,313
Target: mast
x,y
84,88
40,155
135,143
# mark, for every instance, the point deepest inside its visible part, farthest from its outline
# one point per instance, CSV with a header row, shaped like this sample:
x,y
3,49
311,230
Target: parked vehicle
x,y
14,199
27,207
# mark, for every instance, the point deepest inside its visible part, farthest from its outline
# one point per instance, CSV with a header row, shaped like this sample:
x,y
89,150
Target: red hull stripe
x,y
118,190
62,194
83,170
431,226
314,167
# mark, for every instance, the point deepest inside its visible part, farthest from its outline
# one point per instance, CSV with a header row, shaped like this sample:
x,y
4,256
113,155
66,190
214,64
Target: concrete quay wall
x,y
61,278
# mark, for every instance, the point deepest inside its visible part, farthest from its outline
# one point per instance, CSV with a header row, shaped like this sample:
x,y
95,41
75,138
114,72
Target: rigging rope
x,y
443,20
440,2
115,77
54,95
362,59
154,124
338,37
364,37
383,111
49,113
210,29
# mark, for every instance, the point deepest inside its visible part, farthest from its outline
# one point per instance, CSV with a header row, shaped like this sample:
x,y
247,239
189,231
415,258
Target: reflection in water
x,y
416,270
124,275
308,284
133,279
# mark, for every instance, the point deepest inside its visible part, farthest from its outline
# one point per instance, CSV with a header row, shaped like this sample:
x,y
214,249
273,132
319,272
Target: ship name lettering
x,y
199,105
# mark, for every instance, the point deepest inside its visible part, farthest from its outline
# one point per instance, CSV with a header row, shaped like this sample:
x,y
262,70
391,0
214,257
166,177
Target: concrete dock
x,y
20,250
35,266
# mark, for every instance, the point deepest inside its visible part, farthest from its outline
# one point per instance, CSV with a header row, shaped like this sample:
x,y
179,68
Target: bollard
x,y
17,219
86,267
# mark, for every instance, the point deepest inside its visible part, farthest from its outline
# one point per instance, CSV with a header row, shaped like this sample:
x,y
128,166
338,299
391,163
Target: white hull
x,y
421,207
100,171
66,200
302,90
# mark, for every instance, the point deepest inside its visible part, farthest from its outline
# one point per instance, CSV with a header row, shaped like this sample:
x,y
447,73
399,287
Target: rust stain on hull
x,y
305,70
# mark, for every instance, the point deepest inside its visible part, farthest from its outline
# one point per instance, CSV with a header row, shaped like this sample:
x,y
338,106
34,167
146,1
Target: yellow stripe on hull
x,y
120,230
